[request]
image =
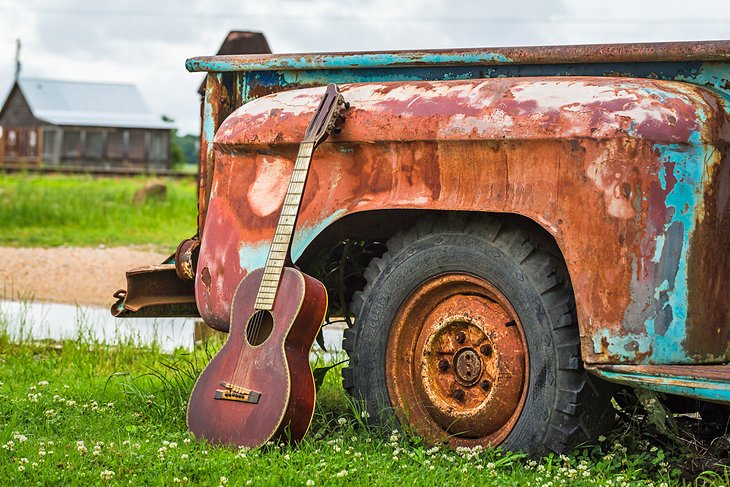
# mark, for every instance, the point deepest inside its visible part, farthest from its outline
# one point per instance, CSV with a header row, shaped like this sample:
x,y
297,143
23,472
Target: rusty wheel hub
x,y
456,366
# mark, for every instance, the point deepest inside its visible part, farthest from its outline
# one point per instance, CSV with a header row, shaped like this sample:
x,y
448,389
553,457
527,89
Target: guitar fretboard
x,y
284,229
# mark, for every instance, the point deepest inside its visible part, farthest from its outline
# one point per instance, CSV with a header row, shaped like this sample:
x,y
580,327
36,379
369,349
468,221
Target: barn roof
x,y
89,104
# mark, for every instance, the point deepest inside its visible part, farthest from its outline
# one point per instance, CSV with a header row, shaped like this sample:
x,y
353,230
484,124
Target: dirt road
x,y
76,275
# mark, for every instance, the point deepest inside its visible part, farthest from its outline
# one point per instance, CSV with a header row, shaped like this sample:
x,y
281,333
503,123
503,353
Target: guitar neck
x,y
281,246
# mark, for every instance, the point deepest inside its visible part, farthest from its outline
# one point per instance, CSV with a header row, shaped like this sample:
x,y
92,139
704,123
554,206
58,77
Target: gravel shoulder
x,y
75,275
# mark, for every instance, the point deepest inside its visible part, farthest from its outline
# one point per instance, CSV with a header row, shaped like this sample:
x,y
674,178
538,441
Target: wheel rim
x,y
457,362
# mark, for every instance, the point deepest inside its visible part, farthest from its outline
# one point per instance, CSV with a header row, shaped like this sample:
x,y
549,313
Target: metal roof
x,y
89,104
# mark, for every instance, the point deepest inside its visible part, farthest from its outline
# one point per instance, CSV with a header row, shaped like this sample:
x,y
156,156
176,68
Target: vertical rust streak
x,y
210,108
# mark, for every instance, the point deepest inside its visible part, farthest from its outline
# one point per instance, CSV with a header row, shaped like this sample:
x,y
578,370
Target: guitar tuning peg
x,y
337,130
347,105
340,117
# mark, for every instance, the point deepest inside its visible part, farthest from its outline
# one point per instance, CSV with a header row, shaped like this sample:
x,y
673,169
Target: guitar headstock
x,y
328,117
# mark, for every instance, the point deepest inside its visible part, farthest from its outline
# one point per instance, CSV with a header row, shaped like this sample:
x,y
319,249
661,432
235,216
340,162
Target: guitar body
x,y
277,369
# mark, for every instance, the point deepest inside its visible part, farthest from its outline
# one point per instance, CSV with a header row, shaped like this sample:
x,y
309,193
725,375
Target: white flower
x,y
341,473
33,397
43,383
50,413
310,482
21,468
23,460
224,480
184,456
20,438
364,415
186,440
107,474
342,421
173,444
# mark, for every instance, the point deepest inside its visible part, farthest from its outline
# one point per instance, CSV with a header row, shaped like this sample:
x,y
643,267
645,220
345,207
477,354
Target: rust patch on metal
x,y
454,372
155,291
186,258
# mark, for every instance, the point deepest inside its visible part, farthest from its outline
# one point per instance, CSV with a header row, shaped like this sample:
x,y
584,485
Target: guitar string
x,y
253,328
302,163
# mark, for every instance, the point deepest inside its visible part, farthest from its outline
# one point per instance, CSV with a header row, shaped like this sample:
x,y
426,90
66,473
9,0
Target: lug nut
x,y
486,349
458,394
443,365
485,385
510,323
461,337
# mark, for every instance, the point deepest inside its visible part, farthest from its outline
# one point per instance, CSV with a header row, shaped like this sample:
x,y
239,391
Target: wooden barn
x,y
78,123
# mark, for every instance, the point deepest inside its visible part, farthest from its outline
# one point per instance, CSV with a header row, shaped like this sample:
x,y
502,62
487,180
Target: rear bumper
x,y
155,291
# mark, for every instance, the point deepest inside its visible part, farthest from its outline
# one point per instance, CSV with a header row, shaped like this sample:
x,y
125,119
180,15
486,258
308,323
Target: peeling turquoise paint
x,y
343,61
305,235
254,256
665,323
208,121
699,388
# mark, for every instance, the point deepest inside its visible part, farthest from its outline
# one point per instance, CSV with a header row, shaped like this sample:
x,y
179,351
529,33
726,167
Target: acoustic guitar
x,y
259,386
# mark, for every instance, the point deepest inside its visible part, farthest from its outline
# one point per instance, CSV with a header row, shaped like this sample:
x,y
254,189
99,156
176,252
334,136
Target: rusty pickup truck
x,y
534,225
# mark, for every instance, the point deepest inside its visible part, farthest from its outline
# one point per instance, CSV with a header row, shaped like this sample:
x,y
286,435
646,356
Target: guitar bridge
x,y
236,393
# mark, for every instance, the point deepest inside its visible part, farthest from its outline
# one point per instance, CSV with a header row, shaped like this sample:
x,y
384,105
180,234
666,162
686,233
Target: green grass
x,y
80,413
84,211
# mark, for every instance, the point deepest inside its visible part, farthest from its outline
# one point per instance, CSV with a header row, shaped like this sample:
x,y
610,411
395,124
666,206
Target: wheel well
x,y
371,229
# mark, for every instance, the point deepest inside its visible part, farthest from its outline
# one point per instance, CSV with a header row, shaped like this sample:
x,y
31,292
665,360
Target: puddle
x,y
26,320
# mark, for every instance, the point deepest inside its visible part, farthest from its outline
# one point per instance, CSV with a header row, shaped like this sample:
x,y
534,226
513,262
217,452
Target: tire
x,y
473,306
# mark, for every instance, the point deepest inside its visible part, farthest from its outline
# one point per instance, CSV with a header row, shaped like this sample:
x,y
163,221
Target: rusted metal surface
x,y
210,111
155,291
628,175
186,258
705,382
453,369
601,53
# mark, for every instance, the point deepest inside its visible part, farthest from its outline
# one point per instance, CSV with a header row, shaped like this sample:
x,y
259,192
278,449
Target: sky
x,y
146,42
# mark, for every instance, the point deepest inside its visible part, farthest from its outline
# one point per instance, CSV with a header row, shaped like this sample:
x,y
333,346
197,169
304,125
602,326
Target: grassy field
x,y
84,211
81,412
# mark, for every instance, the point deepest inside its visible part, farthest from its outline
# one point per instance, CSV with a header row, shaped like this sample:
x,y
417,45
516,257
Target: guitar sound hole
x,y
259,327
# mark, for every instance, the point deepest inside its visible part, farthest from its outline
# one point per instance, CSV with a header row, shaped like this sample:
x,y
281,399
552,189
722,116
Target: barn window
x,y
114,145
71,144
136,145
49,145
11,137
32,142
157,146
94,144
